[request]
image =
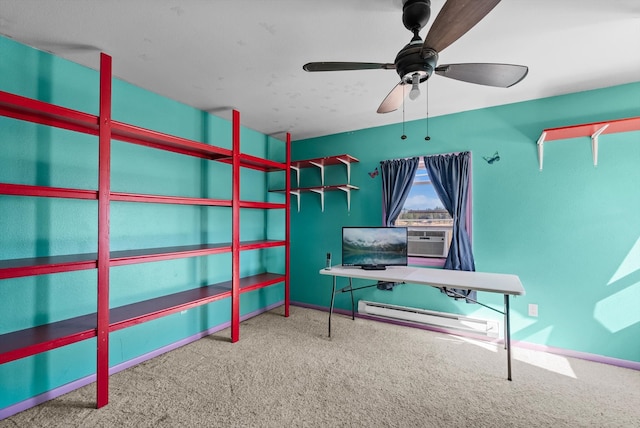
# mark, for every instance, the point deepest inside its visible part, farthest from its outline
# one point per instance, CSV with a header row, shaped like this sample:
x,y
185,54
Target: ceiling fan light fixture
x,y
414,93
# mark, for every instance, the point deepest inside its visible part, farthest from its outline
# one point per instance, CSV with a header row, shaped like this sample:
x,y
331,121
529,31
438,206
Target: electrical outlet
x,y
533,310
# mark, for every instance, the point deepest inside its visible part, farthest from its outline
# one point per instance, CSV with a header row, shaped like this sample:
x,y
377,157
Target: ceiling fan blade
x,y
500,75
342,66
393,100
456,18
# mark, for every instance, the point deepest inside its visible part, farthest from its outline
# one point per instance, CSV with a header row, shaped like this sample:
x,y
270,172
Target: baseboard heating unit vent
x,y
489,328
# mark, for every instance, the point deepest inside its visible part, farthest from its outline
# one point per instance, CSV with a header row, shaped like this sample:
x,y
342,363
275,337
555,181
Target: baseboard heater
x,y
489,328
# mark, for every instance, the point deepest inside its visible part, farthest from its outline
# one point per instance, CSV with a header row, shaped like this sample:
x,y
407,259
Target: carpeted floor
x,y
286,372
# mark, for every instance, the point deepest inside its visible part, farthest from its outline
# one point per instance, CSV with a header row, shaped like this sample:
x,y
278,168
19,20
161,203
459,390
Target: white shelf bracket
x,y
297,170
348,192
297,193
348,165
541,149
321,166
321,193
594,143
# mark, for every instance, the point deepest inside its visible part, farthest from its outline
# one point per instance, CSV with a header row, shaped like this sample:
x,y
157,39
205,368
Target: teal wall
x,y
29,227
571,231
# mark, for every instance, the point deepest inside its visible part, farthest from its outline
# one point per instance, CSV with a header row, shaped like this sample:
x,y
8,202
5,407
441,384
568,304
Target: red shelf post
x,y
235,234
104,191
287,225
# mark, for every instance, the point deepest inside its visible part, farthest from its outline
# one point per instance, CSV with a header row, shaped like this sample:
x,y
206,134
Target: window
x,y
423,207
428,222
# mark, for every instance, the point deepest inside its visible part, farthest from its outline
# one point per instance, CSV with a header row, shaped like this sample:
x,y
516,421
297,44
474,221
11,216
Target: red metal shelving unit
x,y
35,340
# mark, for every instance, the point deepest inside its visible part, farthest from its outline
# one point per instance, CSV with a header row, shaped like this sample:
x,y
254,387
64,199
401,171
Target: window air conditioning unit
x,y
428,243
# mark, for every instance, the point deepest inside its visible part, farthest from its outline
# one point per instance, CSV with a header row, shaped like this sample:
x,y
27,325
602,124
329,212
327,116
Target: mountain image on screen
x,y
374,246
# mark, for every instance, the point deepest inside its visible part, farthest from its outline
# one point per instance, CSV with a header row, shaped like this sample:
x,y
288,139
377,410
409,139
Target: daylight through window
x,y
428,221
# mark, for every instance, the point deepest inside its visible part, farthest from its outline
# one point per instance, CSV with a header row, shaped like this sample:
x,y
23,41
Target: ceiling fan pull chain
x,y
403,137
427,138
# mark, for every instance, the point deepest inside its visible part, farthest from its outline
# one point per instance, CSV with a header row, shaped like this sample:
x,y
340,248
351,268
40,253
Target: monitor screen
x,y
374,247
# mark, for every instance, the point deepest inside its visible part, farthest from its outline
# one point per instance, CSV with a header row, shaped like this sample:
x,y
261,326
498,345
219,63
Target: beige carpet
x,y
285,372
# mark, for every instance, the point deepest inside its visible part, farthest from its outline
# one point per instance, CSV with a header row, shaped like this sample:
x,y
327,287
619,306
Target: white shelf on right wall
x,y
593,130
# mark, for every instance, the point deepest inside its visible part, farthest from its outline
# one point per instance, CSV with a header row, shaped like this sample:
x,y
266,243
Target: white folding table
x,y
506,284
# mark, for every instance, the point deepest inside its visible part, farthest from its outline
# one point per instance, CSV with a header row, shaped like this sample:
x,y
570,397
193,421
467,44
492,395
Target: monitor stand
x,y
374,267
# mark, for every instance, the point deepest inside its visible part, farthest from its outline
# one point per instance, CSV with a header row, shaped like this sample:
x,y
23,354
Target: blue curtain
x,y
397,178
450,178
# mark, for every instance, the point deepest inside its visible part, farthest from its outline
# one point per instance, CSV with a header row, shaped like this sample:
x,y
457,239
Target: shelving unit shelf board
x,y
158,140
47,192
35,111
160,199
260,281
147,310
256,245
261,164
262,205
32,341
17,268
125,257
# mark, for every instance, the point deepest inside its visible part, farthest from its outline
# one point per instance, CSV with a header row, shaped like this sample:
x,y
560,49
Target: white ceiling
x,y
248,54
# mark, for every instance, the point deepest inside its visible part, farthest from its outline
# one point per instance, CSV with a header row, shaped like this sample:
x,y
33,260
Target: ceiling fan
x,y
417,61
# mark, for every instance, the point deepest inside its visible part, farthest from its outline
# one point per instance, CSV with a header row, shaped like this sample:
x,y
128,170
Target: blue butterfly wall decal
x,y
492,159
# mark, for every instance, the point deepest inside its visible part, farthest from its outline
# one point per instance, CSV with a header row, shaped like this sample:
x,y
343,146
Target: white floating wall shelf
x,y
593,130
321,163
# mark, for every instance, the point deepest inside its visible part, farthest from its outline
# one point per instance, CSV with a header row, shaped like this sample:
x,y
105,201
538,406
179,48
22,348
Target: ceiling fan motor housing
x,y
414,59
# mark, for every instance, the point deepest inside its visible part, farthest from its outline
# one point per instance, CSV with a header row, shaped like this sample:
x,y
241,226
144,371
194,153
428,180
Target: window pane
x,y
429,223
423,207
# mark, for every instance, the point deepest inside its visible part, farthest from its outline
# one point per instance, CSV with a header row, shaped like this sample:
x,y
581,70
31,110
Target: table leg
x,y
504,321
333,295
507,337
353,305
